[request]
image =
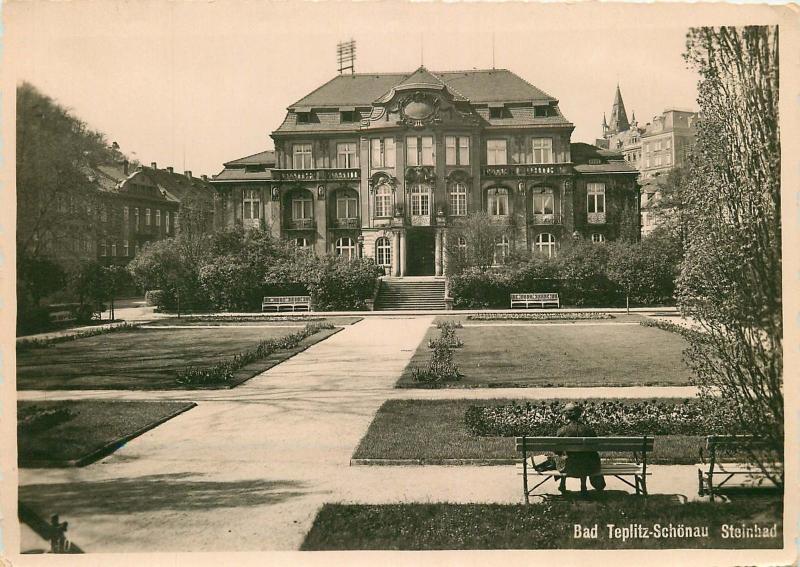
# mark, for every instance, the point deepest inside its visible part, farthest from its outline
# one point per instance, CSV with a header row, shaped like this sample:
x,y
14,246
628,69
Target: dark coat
x,y
579,463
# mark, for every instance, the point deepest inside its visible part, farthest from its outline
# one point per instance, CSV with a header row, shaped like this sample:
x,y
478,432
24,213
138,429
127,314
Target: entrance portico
x,y
419,252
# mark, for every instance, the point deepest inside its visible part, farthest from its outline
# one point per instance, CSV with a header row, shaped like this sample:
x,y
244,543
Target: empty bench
x,y
289,302
527,299
635,467
716,474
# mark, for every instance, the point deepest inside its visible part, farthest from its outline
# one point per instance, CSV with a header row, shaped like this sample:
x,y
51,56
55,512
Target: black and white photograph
x,y
439,278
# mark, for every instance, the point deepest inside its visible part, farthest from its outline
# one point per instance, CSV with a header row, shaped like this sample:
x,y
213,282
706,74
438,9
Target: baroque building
x,y
385,165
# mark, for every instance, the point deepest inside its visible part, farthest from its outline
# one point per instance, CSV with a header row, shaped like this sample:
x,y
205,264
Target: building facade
x,y
654,149
385,165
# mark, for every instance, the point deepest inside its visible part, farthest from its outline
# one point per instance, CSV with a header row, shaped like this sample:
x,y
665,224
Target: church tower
x,y
619,118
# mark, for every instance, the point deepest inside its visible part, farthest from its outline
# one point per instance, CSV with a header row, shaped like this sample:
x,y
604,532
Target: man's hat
x,y
572,410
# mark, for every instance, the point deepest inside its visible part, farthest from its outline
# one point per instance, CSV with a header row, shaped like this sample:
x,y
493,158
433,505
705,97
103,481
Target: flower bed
x,y
539,316
609,417
27,344
686,332
222,372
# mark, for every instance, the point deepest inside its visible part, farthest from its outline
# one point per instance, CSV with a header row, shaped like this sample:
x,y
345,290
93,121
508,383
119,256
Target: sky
x,y
194,84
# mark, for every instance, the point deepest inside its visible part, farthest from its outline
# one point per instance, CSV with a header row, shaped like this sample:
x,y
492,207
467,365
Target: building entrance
x,y
421,252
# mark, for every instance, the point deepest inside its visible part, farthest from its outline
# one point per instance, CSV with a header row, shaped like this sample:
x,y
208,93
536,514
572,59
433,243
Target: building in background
x,y
655,149
385,164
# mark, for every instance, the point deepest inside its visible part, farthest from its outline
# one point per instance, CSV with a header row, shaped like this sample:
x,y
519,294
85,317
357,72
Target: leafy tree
x,y
480,233
731,277
669,200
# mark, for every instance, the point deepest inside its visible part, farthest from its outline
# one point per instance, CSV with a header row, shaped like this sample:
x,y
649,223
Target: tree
x,y
480,233
730,280
55,150
668,203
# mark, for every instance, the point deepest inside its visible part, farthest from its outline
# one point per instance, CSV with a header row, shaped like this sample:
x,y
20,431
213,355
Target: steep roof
x,y
591,159
479,86
619,118
266,157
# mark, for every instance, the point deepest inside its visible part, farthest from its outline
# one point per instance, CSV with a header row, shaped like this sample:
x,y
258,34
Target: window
x,y
383,252
103,248
301,156
382,152
419,150
126,250
349,116
458,199
542,150
147,217
125,215
103,212
158,217
667,159
302,242
136,217
461,244
598,238
657,146
346,155
543,202
420,200
497,200
251,204
496,152
383,200
502,247
496,112
345,247
166,220
302,207
346,206
303,118
596,198
114,249
135,249
456,150
668,144
545,244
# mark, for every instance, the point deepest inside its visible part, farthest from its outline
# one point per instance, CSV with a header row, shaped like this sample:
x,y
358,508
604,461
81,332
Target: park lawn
x,y
255,320
95,429
147,358
434,432
542,355
547,525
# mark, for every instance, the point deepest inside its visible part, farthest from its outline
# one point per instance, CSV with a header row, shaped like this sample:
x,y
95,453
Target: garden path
x,y
248,468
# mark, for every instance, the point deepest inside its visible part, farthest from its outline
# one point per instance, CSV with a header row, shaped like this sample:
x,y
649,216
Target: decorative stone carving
x,y
276,193
380,178
459,175
421,174
419,109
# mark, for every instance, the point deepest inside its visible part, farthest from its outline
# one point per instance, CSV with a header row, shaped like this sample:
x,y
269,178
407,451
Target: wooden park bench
x,y
637,467
528,299
716,445
293,302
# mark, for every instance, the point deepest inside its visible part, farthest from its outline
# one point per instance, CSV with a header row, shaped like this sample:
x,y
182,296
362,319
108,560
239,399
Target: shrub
x,y
448,336
336,283
441,367
477,288
37,418
154,297
223,372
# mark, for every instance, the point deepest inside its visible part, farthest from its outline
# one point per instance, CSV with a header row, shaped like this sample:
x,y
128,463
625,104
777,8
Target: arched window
x,y
302,206
346,205
420,200
383,200
545,244
543,205
598,238
458,199
497,201
346,247
502,247
383,251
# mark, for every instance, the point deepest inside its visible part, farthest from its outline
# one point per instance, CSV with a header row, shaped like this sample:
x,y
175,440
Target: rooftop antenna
x,y
493,50
421,51
346,56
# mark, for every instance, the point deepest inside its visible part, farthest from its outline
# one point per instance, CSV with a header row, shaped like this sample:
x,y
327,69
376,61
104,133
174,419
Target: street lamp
x,y
360,241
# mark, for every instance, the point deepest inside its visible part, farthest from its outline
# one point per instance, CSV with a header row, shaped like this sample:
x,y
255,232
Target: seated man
x,y
579,464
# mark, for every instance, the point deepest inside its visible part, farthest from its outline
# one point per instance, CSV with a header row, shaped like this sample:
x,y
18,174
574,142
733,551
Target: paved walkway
x,y
248,468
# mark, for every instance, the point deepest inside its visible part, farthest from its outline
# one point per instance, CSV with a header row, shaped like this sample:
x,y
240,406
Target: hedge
x,y
608,417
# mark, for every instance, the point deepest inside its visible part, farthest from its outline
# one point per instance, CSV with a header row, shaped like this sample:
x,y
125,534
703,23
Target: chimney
x,y
170,169
125,165
204,177
188,174
153,165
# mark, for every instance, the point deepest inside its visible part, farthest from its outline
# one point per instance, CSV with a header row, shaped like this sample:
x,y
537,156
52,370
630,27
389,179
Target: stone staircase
x,y
410,293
